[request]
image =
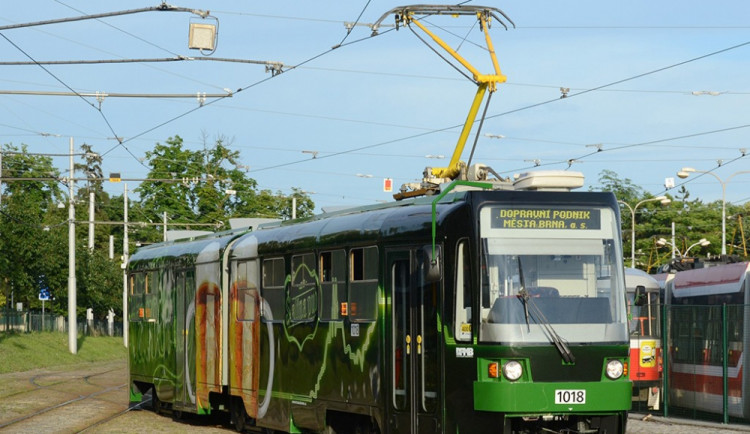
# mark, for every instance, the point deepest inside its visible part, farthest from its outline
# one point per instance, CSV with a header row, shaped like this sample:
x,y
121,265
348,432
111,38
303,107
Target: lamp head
x,y
685,172
663,199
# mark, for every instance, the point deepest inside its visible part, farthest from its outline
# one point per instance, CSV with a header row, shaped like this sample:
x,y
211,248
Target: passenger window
x,y
151,296
135,289
135,300
462,331
363,284
332,285
273,289
303,292
245,278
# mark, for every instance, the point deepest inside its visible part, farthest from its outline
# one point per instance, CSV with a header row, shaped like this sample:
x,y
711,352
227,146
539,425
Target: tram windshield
x,y
551,273
645,316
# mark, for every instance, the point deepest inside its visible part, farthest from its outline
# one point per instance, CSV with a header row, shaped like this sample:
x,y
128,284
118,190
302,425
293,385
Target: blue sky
x,y
377,106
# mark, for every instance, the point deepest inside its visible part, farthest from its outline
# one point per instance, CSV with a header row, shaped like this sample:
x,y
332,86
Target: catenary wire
x,y
491,116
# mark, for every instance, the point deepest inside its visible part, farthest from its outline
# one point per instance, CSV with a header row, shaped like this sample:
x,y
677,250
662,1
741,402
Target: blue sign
x,y
44,294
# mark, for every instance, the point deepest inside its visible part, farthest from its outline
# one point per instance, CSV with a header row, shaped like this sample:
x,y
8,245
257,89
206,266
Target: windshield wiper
x,y
539,318
523,294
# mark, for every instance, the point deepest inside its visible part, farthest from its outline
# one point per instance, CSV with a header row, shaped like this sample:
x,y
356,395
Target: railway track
x,y
92,398
63,401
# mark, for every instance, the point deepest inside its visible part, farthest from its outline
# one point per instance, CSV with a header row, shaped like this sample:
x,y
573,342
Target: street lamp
x,y
702,242
661,242
686,171
664,201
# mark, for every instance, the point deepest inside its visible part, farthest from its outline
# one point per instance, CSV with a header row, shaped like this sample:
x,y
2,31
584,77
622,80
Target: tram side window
x,y
273,289
462,331
151,297
699,334
303,292
428,291
246,278
363,284
135,304
332,285
177,288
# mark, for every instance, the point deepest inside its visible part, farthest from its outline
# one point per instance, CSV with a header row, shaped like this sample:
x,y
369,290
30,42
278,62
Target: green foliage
x,y
624,189
693,220
34,242
27,224
99,285
206,186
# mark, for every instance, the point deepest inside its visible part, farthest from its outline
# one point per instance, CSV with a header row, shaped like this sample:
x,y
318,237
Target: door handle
x,y
419,344
408,344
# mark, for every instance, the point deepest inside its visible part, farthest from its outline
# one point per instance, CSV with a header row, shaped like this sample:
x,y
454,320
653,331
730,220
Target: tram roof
x,y
188,247
636,277
721,279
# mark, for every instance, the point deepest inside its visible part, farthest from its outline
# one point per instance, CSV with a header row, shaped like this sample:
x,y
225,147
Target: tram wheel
x,y
176,414
238,415
156,403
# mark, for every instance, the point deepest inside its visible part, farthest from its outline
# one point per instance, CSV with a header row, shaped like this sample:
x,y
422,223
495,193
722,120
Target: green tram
x,y
475,311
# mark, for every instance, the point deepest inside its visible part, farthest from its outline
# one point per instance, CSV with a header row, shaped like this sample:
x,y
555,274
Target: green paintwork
x,y
325,366
155,344
531,399
445,191
495,398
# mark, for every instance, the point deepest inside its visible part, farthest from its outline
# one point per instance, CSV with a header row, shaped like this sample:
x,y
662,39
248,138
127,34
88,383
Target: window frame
x,y
274,293
336,278
363,276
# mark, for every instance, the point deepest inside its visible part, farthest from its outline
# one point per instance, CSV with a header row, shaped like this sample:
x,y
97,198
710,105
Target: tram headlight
x,y
614,369
512,370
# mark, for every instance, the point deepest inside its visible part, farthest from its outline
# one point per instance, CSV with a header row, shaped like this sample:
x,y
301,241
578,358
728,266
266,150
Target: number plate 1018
x,y
570,396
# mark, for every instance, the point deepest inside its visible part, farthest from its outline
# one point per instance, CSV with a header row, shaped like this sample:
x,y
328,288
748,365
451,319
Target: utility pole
x,y
72,320
7,317
91,219
125,269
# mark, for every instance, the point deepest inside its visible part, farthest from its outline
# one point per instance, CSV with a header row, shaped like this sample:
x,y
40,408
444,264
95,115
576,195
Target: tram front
x,y
552,348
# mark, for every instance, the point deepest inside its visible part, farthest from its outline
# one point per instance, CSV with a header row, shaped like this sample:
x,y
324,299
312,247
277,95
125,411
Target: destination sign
x,y
545,218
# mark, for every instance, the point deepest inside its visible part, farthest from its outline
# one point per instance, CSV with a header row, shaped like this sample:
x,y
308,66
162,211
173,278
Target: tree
x,y
206,186
99,283
692,220
31,241
624,189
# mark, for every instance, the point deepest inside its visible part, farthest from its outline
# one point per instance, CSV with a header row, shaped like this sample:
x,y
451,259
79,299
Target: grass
x,y
27,351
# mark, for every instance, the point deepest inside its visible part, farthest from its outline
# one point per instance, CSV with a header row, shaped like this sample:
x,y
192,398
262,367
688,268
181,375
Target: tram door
x,y
185,340
414,341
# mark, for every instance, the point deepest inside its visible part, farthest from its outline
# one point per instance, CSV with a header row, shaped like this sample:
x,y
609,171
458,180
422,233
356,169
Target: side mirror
x,y
640,296
432,264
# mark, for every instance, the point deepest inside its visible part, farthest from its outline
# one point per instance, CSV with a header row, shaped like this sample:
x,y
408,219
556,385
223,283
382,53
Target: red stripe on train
x,y
701,383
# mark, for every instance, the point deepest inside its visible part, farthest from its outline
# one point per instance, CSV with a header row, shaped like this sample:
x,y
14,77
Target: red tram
x,y
708,320
644,313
